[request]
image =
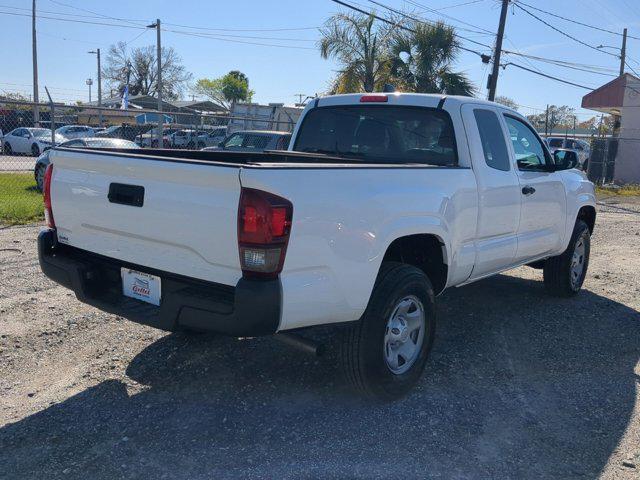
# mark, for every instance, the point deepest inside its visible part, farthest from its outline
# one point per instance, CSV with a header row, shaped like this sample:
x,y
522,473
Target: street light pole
x,y
159,83
97,53
36,108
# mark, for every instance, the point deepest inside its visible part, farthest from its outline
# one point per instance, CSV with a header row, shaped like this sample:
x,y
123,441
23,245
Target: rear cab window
x,y
380,134
494,146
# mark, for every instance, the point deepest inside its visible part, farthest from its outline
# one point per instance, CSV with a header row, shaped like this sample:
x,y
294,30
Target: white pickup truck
x,y
382,202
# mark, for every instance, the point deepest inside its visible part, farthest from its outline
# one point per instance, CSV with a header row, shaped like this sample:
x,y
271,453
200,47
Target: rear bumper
x,y
251,308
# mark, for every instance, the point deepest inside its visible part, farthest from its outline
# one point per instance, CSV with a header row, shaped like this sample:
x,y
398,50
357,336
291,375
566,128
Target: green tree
x,y
361,48
422,60
226,90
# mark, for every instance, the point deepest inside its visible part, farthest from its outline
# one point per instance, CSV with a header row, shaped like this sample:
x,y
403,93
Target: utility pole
x,y
159,83
546,121
493,80
300,97
623,51
97,53
36,107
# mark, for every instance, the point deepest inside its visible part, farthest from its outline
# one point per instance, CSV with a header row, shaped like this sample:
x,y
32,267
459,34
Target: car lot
x,y
519,385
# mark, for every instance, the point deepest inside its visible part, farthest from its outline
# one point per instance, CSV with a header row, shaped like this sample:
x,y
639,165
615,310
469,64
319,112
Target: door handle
x,y
528,190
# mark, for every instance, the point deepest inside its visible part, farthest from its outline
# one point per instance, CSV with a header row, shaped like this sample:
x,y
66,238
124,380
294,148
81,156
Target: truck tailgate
x,y
187,223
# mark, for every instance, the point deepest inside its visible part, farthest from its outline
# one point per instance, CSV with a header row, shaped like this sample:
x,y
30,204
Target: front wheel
x,y
385,352
565,273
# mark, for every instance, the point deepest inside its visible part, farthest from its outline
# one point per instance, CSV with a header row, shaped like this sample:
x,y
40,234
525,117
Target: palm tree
x,y
361,47
422,60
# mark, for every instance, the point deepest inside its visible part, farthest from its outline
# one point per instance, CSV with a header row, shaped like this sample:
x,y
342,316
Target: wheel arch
x,y
426,251
587,214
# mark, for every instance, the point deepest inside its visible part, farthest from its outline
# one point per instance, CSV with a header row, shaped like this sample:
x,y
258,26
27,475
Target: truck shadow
x,y
519,385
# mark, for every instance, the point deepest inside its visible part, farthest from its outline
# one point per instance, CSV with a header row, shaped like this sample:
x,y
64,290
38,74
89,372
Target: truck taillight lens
x,y
264,224
46,191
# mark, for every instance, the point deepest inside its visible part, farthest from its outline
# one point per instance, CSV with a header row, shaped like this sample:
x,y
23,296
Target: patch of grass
x,y
625,190
20,201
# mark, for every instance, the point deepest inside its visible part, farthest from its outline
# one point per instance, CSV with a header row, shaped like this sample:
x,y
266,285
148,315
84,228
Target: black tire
x,y
7,149
39,175
362,355
558,277
35,150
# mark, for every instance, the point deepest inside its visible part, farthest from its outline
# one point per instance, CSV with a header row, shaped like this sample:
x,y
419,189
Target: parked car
x,y
582,148
43,160
380,204
254,141
150,139
211,138
125,132
32,141
76,131
186,138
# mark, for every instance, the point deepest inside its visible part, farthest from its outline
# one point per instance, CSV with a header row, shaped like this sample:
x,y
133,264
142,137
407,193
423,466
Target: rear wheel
x,y
35,150
385,352
565,273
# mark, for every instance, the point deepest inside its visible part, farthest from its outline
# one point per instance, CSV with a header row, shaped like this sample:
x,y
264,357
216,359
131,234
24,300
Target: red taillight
x,y
373,98
46,191
264,224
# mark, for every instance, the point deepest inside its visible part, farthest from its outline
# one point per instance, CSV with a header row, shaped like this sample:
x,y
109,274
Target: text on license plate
x,y
141,286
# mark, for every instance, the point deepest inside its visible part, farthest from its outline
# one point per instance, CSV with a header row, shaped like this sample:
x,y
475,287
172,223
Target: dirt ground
x,y
519,385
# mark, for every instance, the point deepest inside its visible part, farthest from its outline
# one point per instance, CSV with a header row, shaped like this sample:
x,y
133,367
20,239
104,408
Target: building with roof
x,y
620,97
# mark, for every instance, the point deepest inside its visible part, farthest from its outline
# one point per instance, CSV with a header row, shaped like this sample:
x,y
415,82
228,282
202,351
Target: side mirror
x,y
565,159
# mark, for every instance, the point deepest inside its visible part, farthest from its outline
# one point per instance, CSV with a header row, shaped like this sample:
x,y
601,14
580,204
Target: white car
x,y
381,203
76,131
32,141
211,138
186,138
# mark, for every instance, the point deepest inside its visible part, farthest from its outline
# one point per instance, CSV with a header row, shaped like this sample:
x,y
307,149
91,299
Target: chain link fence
x,y
29,130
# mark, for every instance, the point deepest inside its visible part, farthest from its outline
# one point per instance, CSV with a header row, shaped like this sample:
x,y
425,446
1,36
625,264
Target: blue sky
x,y
277,74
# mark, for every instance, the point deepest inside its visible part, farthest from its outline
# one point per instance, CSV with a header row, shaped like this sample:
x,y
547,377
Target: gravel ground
x,y
519,385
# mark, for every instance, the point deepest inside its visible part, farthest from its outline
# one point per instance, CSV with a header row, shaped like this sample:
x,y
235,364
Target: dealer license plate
x,y
141,286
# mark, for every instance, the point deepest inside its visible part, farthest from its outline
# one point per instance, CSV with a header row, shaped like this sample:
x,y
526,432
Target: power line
x,y
575,21
193,34
459,4
558,63
421,20
450,17
593,47
99,16
398,12
547,76
382,19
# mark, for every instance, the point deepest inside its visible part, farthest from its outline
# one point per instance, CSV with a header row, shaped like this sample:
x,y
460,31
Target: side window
x,y
529,151
492,138
234,140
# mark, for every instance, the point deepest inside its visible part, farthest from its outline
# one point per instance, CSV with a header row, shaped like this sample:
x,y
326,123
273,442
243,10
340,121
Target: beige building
x,y
621,97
